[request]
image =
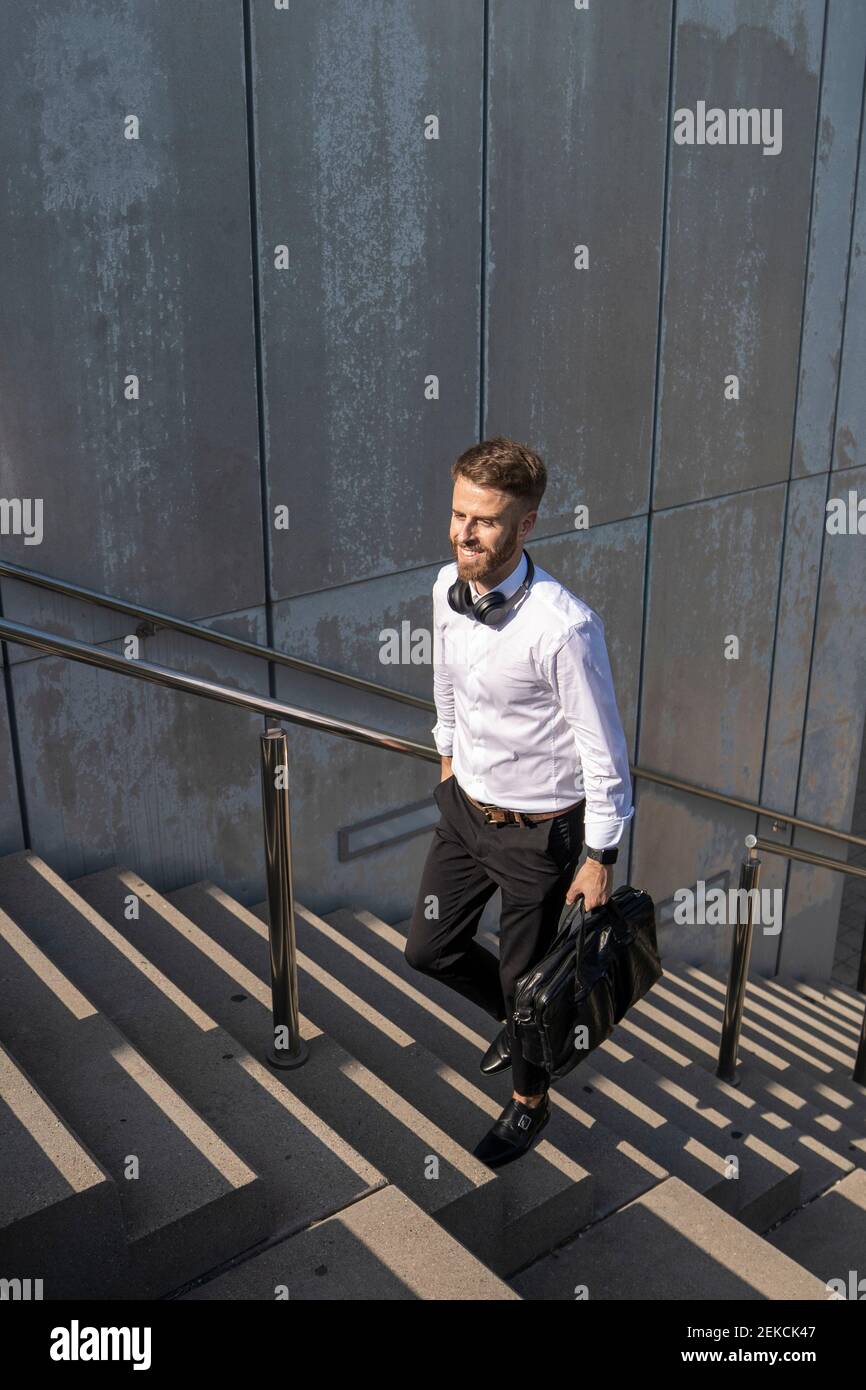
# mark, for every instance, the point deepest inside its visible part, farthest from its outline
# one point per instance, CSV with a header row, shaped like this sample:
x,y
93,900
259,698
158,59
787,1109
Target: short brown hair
x,y
506,465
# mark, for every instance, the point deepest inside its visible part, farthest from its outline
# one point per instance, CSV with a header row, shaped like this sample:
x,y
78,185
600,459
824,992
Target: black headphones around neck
x,y
491,608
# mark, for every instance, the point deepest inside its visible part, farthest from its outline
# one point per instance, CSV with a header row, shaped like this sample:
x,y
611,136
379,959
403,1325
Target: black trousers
x,y
466,863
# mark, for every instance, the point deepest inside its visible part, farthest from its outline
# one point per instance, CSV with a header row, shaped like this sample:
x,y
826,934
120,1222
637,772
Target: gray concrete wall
x,y
426,296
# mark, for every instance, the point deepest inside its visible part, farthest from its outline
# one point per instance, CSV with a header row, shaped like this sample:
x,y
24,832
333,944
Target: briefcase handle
x,y
579,905
569,910
565,921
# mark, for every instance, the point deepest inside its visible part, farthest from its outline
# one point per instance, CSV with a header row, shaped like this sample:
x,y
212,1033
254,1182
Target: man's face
x,y
487,530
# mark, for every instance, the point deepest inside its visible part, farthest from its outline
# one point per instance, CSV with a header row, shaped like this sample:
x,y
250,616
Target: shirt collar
x,y
512,582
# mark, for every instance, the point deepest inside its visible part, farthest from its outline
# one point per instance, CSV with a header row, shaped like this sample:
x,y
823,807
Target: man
x,y
534,762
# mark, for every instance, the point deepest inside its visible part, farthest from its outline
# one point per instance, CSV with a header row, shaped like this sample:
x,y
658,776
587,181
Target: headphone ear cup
x,y
457,596
489,605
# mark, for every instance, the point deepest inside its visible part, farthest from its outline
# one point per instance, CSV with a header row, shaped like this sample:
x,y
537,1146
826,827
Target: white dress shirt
x,y
527,710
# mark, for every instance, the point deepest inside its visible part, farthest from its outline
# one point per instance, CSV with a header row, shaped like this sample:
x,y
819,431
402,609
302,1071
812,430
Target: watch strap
x,y
603,856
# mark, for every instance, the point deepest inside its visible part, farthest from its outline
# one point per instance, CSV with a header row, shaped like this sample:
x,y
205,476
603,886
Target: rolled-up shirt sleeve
x,y
580,676
443,689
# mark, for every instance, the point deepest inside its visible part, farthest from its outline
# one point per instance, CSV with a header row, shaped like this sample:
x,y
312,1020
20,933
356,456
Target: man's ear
x,y
527,524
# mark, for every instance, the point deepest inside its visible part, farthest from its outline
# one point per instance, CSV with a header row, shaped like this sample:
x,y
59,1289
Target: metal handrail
x,y
741,950
288,1048
676,785
206,634
89,655
240,644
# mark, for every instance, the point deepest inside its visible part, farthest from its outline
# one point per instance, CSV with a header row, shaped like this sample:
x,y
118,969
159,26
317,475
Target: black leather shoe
x,y
514,1133
498,1055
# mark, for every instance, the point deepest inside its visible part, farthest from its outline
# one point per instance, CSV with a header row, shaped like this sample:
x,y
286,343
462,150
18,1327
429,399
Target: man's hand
x,y
446,769
594,881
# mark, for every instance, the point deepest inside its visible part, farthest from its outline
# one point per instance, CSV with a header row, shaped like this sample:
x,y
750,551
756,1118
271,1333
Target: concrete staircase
x,y
146,1149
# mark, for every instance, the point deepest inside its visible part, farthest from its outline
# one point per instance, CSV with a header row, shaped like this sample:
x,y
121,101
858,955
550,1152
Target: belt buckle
x,y
499,815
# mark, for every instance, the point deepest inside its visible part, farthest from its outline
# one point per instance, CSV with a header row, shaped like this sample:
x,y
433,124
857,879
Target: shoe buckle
x,y
524,1122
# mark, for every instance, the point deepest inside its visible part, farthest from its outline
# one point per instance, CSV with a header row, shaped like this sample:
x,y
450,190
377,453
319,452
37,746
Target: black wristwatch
x,y
603,856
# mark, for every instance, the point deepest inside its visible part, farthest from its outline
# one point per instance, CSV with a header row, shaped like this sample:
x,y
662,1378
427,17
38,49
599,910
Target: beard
x,y
488,559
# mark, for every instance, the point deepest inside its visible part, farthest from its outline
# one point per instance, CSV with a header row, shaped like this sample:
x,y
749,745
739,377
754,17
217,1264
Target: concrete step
x,y
453,1027
690,1001
54,1196
756,1181
187,1190
792,1103
828,1237
827,1039
193,931
420,1116
623,1096
822,1145
669,1244
251,1110
823,1149
837,995
816,1000
307,1169
383,1247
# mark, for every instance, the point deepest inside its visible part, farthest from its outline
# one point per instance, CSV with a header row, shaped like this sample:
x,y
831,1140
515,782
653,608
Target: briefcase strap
x,y
565,919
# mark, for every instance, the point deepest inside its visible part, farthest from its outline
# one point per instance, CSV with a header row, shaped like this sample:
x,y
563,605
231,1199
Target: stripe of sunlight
x,y
45,969
260,992
452,1078
754,1015
355,1071
747,1043
812,1008
59,1146
119,942
644,1112
621,1097
191,1125
212,1148
778,1066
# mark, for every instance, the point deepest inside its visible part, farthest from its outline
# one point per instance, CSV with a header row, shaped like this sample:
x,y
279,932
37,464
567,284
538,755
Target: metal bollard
x,y
750,872
287,1048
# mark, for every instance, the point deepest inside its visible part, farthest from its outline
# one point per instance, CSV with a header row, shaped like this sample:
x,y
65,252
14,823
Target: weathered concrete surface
x,y
713,566
130,256
122,771
735,261
713,576
829,240
698,1252
576,157
384,1247
828,1237
382,228
792,655
850,443
831,742
136,256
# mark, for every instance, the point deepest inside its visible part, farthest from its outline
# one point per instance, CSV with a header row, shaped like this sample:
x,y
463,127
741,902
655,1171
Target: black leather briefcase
x,y
600,963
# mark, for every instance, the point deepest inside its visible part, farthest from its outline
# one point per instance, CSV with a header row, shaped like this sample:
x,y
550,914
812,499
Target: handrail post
x,y
287,1047
750,872
860,1065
